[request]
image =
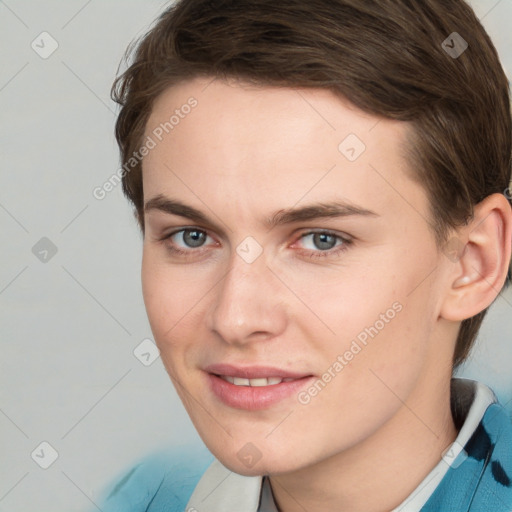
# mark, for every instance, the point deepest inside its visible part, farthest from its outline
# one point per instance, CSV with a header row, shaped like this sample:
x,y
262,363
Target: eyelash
x,y
337,250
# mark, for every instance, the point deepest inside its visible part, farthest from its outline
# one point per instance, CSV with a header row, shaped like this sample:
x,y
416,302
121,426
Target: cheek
x,y
173,300
367,385
379,328
155,292
167,289
164,300
348,304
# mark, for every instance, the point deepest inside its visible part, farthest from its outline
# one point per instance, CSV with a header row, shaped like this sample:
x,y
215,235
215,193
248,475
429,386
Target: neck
x,y
378,474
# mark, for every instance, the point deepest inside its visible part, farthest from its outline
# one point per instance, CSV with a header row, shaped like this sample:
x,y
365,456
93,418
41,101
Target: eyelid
x,y
306,231
345,239
175,231
343,236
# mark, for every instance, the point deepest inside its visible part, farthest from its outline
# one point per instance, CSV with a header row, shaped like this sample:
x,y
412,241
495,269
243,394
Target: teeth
x,y
239,381
258,382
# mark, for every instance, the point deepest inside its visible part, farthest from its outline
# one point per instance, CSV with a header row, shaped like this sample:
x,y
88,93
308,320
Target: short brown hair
x,y
387,57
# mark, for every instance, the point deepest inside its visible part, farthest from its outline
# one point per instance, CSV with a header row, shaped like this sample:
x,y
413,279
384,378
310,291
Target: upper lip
x,y
253,372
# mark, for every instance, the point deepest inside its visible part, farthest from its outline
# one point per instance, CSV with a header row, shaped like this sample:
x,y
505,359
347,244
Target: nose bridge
x,y
247,300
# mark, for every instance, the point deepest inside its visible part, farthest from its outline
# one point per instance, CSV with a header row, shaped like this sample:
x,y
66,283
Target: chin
x,y
257,470
278,464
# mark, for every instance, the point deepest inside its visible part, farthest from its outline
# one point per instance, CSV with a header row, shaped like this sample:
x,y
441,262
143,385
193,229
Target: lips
x,y
253,372
260,382
255,387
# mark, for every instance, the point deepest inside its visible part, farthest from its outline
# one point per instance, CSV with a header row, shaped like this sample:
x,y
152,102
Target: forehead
x,y
223,140
221,106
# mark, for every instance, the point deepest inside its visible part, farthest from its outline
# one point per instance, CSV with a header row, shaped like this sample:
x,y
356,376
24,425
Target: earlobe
x,y
479,272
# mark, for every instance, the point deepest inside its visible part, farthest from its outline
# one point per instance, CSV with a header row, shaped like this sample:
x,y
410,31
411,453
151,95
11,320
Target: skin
x,y
241,155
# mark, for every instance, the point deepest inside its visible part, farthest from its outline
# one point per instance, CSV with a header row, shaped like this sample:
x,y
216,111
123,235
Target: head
x,y
244,108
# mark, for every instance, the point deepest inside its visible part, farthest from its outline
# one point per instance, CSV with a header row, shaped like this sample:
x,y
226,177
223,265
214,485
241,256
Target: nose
x,y
249,303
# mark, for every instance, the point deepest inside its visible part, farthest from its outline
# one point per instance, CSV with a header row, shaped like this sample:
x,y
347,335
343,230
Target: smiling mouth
x,y
259,382
256,393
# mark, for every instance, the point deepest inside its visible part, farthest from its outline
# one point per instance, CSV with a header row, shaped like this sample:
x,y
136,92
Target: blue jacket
x,y
474,475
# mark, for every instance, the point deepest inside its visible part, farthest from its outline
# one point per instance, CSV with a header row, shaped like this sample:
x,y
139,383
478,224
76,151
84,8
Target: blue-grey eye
x,y
193,237
322,241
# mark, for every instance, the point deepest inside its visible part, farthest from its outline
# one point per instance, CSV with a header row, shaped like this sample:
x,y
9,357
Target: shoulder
x,y
482,480
495,433
160,482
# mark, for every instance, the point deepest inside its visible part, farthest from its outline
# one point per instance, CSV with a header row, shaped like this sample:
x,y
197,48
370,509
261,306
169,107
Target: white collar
x,y
466,394
221,490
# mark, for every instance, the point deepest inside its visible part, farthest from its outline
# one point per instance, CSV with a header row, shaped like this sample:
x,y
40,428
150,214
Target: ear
x,y
479,258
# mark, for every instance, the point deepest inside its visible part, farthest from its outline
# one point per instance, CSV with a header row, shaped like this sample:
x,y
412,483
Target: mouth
x,y
255,383
254,388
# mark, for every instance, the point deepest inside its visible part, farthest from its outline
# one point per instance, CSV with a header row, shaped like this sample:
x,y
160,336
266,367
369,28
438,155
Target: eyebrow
x,y
282,217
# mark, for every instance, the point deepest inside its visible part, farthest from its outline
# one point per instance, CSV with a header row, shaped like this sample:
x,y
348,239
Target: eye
x,y
191,238
192,241
325,243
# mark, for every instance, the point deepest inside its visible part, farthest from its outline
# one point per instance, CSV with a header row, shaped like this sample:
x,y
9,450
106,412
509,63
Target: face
x,y
281,243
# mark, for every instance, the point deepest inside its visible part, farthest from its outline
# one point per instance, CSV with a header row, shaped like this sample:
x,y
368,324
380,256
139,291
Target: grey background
x,y
71,321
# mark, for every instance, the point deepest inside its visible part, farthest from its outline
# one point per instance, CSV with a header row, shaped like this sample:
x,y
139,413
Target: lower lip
x,y
254,398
